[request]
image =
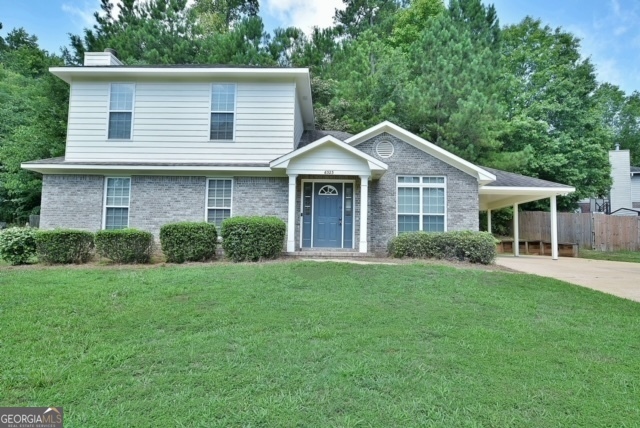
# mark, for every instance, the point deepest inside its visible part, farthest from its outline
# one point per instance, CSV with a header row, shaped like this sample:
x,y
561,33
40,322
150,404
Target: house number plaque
x,y
328,172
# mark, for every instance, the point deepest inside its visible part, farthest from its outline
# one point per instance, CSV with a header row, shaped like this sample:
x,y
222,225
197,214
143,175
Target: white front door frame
x,y
301,210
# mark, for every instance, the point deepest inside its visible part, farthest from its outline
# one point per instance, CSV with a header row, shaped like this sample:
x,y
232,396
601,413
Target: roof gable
x,y
374,164
483,176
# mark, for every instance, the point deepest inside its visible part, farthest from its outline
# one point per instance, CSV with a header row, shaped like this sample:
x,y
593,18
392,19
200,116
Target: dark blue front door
x,y
327,215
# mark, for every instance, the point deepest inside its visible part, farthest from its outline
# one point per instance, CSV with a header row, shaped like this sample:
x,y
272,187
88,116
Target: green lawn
x,y
616,256
316,344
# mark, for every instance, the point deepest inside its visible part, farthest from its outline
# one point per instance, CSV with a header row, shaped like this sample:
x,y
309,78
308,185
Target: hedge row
x,y
20,245
474,247
244,239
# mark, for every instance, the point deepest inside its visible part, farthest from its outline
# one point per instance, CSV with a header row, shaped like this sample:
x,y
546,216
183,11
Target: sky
x,y
609,29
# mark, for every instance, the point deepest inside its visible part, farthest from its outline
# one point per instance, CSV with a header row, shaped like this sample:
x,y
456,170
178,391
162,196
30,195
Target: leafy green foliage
x,y
18,245
253,238
189,241
64,246
33,120
474,247
125,245
552,115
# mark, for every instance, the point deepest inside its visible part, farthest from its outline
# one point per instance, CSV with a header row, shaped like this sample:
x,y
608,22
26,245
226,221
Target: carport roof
x,y
510,188
510,179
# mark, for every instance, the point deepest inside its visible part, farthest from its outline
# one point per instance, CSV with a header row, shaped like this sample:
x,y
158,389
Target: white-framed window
x,y
422,204
219,193
223,111
117,192
121,111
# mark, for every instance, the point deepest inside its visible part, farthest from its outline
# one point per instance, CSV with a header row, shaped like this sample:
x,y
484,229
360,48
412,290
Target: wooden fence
x,y
590,231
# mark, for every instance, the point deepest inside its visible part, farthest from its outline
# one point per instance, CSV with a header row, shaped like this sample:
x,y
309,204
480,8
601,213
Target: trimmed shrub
x,y
253,238
64,246
474,247
18,245
125,245
189,241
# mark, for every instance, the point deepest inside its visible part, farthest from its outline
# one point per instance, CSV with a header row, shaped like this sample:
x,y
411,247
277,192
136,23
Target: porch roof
x,y
340,158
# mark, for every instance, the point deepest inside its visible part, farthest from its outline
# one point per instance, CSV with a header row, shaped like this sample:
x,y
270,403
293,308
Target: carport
x,y
511,190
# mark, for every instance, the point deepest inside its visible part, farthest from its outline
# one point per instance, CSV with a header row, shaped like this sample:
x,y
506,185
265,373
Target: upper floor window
x,y
223,111
121,111
421,204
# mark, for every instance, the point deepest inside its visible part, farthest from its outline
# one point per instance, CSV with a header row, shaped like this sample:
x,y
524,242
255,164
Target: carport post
x,y
489,221
516,232
554,228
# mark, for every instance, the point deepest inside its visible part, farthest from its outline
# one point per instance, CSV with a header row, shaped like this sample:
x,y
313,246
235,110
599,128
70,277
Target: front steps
x,y
328,253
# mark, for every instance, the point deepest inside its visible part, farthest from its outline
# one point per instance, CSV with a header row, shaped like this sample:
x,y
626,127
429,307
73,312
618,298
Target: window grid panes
x,y
117,203
223,105
120,111
219,201
421,204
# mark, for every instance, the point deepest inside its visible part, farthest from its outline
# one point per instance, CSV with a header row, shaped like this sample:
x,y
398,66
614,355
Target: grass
x,y
316,344
616,256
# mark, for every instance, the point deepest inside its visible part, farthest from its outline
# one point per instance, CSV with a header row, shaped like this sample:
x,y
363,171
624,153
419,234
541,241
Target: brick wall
x,y
462,190
72,201
158,200
264,196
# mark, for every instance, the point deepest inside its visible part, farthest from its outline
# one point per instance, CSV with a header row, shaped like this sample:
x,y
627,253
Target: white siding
x,y
171,124
299,123
635,189
329,158
621,187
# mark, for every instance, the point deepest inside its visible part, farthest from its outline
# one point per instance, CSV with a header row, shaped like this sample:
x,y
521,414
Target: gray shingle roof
x,y
635,169
309,137
510,179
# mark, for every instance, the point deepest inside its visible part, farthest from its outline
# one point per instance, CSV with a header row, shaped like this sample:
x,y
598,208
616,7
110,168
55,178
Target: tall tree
x,y
410,22
620,116
221,15
450,99
359,16
33,118
147,32
550,109
369,75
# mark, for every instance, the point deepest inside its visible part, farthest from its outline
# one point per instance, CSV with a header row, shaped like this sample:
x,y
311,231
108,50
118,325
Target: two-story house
x,y
149,145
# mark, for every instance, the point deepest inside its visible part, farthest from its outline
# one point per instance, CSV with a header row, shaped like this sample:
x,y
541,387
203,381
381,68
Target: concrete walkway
x,y
618,278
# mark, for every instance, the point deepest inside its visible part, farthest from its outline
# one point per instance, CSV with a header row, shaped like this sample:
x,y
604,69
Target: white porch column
x,y
554,228
489,221
291,225
364,207
516,232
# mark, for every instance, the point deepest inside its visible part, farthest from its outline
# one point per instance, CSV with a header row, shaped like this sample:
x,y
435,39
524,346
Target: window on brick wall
x,y
219,192
121,111
421,204
116,202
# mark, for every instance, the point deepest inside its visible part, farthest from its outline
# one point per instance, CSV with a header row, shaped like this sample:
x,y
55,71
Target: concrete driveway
x,y
618,278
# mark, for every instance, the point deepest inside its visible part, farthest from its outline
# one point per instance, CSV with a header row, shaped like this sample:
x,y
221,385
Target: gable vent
x,y
384,149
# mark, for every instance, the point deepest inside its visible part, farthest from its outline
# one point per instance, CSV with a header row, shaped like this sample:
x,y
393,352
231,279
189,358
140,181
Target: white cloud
x,y
83,16
303,14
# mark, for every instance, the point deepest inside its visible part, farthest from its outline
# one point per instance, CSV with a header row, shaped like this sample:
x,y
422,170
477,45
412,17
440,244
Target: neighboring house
x,y
149,145
624,195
